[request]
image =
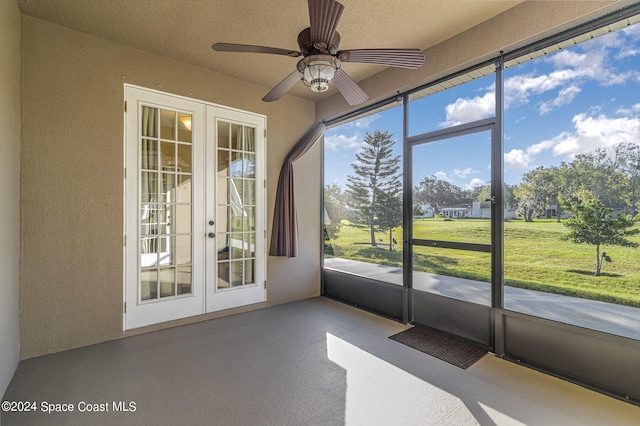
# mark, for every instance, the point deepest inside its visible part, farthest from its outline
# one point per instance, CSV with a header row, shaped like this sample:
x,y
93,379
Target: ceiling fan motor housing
x,y
308,47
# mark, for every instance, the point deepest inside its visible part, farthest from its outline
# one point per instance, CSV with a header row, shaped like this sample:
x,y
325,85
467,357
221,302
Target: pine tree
x,y
376,170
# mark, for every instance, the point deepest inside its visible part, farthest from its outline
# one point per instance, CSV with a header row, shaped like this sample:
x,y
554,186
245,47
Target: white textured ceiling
x,y
186,29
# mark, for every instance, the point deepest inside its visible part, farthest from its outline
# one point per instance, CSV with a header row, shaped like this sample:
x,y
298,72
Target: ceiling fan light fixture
x,y
317,71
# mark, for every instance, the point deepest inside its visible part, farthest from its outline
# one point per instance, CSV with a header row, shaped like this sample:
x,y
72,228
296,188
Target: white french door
x,y
194,208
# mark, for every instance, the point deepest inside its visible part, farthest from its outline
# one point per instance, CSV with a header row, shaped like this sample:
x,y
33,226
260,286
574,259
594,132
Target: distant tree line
x,y
602,181
613,177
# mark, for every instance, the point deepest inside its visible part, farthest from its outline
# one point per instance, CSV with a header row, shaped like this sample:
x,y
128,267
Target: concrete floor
x,y
311,362
607,317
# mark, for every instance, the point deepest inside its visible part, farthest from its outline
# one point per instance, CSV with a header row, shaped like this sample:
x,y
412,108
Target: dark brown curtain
x,y
284,235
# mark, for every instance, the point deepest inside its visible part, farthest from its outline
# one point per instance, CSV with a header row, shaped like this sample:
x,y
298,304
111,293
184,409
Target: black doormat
x,y
447,349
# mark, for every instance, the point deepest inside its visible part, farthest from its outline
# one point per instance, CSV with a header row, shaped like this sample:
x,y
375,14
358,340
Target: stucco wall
x,y
9,189
72,180
517,27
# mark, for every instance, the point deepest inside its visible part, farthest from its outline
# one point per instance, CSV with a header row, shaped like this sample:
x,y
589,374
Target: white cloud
x,y
632,31
516,159
364,122
590,133
572,64
518,88
441,175
464,172
597,132
627,53
465,110
620,78
565,96
342,142
545,145
628,111
475,182
571,69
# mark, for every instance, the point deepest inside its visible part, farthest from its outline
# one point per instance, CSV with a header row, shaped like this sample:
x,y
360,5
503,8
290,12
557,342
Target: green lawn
x,y
535,257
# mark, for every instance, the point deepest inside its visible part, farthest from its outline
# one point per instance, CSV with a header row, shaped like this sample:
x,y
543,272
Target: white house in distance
x,y
476,210
426,211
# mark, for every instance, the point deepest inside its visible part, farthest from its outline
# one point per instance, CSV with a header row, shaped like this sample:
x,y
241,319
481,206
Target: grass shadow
x,y
590,273
388,257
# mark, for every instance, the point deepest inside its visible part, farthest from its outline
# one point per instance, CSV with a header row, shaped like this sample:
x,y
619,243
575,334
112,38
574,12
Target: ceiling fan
x,y
321,61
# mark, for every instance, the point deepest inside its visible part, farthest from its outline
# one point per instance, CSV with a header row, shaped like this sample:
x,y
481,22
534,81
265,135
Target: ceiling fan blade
x,y
324,16
248,48
349,88
282,87
403,58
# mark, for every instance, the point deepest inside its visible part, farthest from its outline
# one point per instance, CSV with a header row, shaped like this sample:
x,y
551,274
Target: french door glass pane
x,y
184,158
223,220
149,284
249,165
183,250
249,192
167,185
249,219
167,282
223,275
184,128
149,186
249,139
223,163
236,273
236,137
236,164
235,193
149,154
183,190
236,218
167,124
223,134
182,220
168,156
223,191
183,278
236,246
249,244
248,271
223,247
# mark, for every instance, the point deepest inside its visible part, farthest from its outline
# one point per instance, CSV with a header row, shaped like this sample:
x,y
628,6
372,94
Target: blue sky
x,y
557,106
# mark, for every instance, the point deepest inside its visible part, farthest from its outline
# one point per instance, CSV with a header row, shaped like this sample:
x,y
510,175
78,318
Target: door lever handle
x,y
211,235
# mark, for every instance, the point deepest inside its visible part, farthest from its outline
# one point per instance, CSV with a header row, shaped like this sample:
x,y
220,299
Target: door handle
x,y
211,235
